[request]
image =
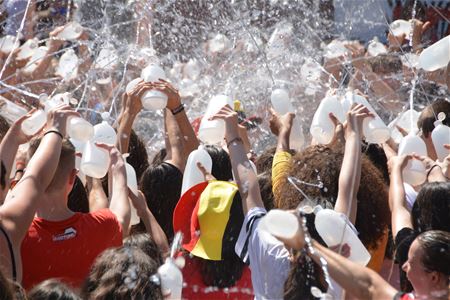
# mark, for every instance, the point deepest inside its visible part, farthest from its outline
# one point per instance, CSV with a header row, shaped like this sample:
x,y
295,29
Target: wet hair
x,y
123,273
435,245
138,154
52,289
4,127
265,187
221,167
66,159
385,63
159,157
264,161
431,210
161,186
5,288
429,115
146,243
377,156
304,274
78,200
320,162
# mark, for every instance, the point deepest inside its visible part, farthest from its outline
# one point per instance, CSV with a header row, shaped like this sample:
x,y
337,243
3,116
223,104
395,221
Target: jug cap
x,y
440,118
105,116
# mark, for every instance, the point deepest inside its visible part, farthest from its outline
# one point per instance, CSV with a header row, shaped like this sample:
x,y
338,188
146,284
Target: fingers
x,y
447,146
401,130
107,147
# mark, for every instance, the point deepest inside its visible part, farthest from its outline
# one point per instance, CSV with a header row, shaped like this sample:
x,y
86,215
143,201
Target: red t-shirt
x,y
66,249
195,289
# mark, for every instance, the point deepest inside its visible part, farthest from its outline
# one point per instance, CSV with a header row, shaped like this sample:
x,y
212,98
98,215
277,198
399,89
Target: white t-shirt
x,y
269,259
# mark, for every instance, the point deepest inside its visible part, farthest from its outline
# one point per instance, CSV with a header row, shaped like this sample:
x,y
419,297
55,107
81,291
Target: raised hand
x,y
57,118
230,117
355,118
279,123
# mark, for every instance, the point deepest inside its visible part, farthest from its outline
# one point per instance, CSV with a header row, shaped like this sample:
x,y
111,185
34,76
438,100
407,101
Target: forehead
x,y
415,251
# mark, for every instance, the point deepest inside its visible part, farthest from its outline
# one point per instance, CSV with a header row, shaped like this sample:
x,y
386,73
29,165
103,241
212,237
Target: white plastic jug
x,y
10,110
104,133
132,84
322,128
404,121
280,223
399,27
376,48
68,65
440,136
27,49
335,49
133,186
435,56
334,229
282,105
213,132
34,123
71,31
414,172
80,129
95,161
374,129
80,173
171,278
192,175
8,43
153,99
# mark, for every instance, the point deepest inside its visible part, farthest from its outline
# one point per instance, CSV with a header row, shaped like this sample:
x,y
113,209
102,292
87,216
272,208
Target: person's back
x,y
67,249
63,244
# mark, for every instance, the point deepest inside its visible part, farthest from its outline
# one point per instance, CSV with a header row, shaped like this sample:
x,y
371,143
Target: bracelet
x,y
55,132
178,109
431,169
235,140
20,171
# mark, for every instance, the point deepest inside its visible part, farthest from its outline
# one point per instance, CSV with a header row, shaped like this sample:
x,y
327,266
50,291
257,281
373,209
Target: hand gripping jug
x,y
414,172
153,99
322,128
282,105
213,132
440,136
335,229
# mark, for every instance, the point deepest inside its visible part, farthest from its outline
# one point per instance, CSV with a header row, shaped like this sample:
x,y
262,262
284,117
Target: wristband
x,y
178,109
235,140
55,132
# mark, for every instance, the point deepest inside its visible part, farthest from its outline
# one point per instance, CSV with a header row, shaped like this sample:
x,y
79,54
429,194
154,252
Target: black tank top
x,y
11,253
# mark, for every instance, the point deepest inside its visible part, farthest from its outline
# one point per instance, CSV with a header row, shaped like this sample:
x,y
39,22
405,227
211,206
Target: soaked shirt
x,y
67,249
268,258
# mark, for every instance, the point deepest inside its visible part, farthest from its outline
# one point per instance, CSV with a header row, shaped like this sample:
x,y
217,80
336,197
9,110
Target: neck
x,y
53,207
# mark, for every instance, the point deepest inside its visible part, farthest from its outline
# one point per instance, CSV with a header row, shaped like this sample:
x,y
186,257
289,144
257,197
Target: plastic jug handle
x,y
350,224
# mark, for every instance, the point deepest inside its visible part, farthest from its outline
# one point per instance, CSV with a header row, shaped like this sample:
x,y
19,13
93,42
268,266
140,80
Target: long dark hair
x,y
435,245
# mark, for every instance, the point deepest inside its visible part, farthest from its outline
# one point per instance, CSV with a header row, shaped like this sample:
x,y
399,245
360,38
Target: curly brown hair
x,y
323,163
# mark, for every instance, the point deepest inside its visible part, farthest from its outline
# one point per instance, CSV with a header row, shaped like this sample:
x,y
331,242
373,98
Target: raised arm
x,y
245,176
350,175
118,203
9,146
151,224
20,206
400,215
359,281
281,164
177,113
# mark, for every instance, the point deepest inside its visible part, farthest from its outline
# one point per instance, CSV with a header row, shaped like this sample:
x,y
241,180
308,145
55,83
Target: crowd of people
x,y
66,238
